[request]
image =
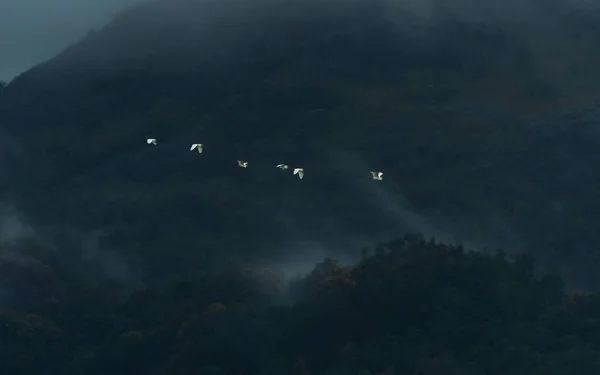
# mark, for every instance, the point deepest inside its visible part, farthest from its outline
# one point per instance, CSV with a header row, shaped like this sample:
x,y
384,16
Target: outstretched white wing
x,y
299,172
151,141
377,175
197,146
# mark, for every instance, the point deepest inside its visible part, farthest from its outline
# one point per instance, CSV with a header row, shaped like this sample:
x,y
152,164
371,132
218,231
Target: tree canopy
x,y
410,306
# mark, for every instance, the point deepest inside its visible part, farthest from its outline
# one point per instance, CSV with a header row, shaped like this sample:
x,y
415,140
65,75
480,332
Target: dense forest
x,y
410,306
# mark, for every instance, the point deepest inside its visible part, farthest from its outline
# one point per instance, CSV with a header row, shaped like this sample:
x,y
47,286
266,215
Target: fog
x,y
31,32
35,30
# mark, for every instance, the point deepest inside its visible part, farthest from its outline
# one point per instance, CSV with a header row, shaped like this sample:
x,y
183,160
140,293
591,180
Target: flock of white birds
x,y
244,164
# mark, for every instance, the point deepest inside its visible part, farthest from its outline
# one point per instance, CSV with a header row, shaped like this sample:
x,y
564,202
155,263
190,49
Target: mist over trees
x,y
117,257
473,123
410,306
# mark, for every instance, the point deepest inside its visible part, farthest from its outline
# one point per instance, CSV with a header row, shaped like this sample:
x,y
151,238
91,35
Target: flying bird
x,y
243,164
282,166
151,141
377,175
299,172
197,146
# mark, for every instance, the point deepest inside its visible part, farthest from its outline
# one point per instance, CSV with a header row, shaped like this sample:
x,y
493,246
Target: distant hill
x,y
484,127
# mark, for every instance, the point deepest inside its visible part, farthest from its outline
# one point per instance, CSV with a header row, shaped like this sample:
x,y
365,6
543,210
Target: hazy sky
x,y
32,31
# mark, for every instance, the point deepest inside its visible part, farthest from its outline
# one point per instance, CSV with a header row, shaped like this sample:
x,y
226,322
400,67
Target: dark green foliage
x,y
417,307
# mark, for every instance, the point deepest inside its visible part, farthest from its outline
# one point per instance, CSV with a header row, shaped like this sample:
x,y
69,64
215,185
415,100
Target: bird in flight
x,y
282,166
377,175
299,172
197,146
151,141
243,164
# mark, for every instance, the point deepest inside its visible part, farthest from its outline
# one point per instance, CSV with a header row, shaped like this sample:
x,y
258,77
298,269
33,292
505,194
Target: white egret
x,y
377,175
299,172
197,146
243,164
151,141
282,166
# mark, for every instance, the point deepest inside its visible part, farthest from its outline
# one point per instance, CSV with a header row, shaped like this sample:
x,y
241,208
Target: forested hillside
x,y
120,257
410,306
485,132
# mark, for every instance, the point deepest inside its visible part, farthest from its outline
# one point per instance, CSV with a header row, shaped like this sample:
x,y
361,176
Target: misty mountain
x,y
482,117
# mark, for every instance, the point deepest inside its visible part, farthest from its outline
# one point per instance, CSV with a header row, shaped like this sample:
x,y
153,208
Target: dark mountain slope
x,y
462,116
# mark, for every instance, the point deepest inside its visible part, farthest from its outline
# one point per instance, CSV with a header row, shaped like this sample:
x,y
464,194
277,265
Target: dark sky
x,y
32,31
